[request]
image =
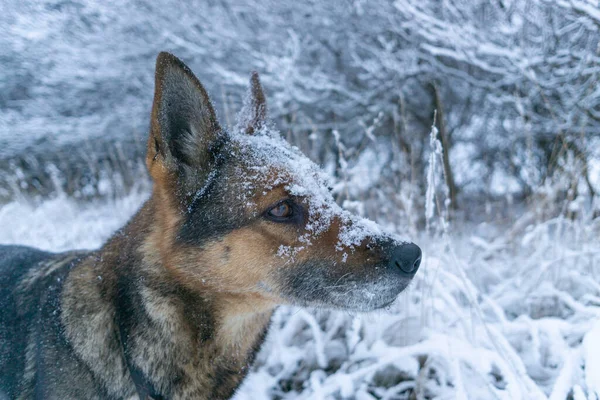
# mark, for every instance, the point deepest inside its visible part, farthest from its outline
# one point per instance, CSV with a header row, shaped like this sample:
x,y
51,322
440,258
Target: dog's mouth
x,y
311,286
386,305
359,300
369,297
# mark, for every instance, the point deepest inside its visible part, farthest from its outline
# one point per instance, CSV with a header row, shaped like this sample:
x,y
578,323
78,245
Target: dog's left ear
x,y
253,115
184,128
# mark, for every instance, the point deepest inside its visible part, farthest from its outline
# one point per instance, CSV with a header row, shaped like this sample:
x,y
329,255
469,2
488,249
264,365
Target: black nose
x,y
406,259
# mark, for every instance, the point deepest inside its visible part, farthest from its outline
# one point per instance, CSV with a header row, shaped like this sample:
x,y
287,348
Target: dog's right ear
x,y
184,127
253,115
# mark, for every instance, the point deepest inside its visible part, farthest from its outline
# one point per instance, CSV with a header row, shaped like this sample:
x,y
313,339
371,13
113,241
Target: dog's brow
x,y
268,197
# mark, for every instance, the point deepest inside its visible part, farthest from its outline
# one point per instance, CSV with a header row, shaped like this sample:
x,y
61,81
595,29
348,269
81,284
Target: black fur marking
x,y
31,332
219,159
157,149
127,307
15,262
213,206
215,215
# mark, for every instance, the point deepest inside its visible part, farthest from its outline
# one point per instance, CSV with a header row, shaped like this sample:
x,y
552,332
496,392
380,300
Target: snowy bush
x,y
514,84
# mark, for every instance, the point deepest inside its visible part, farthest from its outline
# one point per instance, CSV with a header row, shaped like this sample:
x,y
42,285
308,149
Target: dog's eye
x,y
281,212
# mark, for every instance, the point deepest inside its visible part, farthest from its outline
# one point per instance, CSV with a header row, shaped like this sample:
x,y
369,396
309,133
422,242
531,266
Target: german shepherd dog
x,y
177,303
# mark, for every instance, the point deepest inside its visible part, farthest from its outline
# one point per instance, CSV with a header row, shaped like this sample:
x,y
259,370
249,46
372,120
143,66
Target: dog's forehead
x,y
266,160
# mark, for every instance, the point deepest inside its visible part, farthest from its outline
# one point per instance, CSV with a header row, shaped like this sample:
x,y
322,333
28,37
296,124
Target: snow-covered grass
x,y
507,311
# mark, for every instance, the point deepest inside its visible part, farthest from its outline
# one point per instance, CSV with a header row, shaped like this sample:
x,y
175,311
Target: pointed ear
x,y
253,115
183,126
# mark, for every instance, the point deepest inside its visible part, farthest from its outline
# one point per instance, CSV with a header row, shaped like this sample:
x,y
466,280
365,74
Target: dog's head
x,y
245,213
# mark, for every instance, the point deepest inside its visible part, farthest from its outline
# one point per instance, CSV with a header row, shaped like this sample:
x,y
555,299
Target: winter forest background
x,y
473,126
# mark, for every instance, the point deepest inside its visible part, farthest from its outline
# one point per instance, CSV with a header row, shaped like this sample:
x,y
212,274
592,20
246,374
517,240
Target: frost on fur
x,y
265,151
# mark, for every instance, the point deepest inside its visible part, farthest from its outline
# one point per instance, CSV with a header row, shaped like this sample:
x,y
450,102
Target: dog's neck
x,y
186,343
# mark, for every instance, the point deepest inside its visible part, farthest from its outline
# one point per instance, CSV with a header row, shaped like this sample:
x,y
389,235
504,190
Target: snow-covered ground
x,y
496,312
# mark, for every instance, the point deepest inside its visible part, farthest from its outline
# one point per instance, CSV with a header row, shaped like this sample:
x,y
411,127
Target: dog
x,y
177,303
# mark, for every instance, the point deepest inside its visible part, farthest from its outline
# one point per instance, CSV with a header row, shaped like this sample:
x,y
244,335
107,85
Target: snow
x,y
436,151
591,350
61,223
